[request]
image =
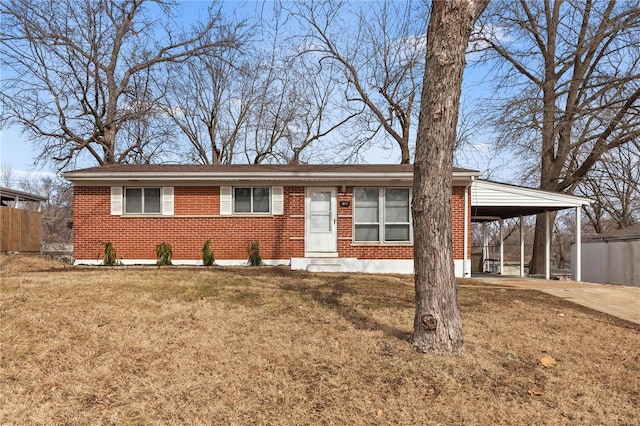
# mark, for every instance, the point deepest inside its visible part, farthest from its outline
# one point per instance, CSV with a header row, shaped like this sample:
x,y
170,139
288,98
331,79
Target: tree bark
x,y
437,325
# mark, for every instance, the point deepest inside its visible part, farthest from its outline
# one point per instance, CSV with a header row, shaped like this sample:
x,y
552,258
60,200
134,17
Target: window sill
x,y
248,215
382,244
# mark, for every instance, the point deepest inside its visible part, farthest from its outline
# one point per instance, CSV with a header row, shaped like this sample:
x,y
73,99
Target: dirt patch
x,y
272,346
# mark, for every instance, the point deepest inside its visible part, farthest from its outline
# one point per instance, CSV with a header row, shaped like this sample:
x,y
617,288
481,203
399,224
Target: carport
x,y
19,199
493,201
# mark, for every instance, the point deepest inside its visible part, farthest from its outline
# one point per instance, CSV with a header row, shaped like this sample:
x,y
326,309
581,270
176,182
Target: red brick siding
x,y
136,237
280,237
198,200
457,218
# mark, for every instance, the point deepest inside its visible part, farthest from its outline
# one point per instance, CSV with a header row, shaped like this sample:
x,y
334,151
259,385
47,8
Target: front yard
x,y
272,346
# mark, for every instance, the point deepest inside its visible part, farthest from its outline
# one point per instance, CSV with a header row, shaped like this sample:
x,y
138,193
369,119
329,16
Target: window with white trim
x,y
252,200
382,215
142,201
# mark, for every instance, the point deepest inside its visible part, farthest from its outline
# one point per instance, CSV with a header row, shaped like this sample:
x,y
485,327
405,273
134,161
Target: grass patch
x,y
272,346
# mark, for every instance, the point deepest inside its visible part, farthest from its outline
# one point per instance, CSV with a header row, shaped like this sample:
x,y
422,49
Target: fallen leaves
x,y
547,361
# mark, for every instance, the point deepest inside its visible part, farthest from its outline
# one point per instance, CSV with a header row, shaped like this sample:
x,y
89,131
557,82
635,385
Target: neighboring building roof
x,y
7,194
628,233
491,200
325,173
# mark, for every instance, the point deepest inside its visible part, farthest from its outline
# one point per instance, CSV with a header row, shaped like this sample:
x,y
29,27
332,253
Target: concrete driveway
x,y
616,300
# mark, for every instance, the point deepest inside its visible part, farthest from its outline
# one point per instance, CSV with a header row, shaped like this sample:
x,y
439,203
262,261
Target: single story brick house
x,y
313,217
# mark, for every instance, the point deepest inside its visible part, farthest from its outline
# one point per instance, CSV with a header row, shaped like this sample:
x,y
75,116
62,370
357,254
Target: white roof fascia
x,y
486,193
339,178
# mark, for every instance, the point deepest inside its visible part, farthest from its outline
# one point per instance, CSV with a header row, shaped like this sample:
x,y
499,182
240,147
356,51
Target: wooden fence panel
x,y
20,230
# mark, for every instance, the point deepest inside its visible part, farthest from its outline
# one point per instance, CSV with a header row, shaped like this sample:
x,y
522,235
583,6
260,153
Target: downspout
x,y
485,247
547,245
465,264
521,248
501,222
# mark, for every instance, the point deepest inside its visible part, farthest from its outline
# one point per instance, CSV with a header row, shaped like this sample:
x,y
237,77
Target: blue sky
x,y
18,154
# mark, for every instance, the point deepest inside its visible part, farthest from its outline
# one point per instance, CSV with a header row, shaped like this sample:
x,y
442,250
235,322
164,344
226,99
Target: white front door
x,y
321,235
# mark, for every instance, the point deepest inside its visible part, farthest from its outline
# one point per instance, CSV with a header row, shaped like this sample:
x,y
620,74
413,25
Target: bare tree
x,y
6,175
57,213
262,103
318,113
73,64
380,63
208,99
294,108
437,325
613,184
146,132
274,102
570,84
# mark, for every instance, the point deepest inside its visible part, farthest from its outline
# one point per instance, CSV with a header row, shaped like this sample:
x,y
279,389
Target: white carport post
x,y
578,260
485,246
521,248
501,249
547,245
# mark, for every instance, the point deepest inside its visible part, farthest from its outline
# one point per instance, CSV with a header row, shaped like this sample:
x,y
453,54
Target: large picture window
x,y
142,201
382,215
252,200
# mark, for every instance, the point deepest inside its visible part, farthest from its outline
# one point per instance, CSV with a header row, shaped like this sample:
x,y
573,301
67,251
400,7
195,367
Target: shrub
x,y
254,254
110,258
164,253
207,254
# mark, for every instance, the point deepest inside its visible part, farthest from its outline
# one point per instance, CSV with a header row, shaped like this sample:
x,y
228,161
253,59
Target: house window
x,y
252,200
367,214
397,214
382,215
142,201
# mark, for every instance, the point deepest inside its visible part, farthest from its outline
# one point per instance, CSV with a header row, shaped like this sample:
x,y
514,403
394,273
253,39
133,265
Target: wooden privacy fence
x,y
20,230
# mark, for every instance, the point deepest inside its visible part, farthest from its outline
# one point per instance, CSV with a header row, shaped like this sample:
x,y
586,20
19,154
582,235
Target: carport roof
x,y
12,194
493,200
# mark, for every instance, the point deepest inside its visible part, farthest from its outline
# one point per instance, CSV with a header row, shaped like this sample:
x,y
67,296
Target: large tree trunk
x,y
437,325
538,262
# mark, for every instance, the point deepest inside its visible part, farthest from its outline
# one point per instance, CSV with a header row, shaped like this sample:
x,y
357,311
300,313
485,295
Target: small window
x,y
366,212
252,200
142,201
397,221
382,215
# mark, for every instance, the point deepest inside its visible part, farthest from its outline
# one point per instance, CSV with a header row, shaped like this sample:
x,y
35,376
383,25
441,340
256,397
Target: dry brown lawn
x,y
269,346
